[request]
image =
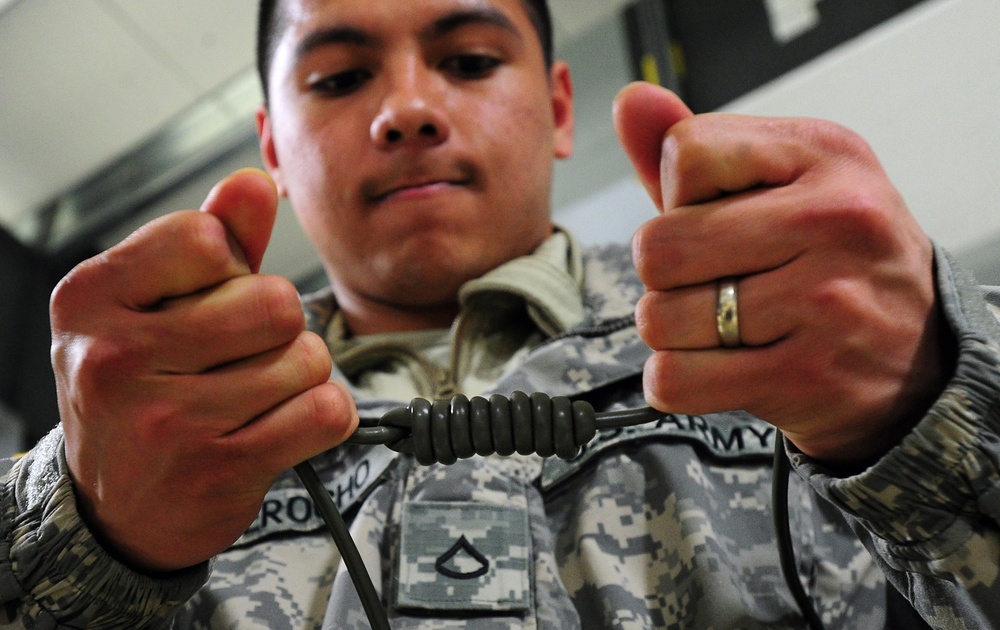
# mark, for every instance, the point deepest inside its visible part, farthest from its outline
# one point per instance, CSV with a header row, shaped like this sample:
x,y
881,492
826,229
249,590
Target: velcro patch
x,y
464,557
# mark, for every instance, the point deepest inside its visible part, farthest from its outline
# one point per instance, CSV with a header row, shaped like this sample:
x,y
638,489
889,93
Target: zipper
x,y
446,387
596,330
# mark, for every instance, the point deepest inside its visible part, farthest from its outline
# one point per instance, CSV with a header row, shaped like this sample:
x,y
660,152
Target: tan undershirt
x,y
504,315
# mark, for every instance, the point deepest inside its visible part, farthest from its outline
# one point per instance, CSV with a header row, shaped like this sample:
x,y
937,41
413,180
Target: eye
x,y
471,66
339,84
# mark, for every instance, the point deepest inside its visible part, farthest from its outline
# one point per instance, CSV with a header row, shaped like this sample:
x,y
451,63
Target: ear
x,y
562,108
268,152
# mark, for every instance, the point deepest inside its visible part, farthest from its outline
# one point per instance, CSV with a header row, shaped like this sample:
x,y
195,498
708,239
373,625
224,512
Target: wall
x,y
920,88
27,386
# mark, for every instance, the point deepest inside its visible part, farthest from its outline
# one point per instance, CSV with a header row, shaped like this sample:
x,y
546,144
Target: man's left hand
x,y
841,342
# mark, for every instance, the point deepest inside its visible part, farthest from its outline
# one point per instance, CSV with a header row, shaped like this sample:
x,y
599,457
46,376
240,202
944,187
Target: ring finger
x,y
686,318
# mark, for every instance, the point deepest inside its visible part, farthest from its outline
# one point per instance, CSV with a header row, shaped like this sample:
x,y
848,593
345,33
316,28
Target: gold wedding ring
x,y
727,319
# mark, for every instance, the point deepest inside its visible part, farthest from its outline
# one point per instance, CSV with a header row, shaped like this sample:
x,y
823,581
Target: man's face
x,y
415,140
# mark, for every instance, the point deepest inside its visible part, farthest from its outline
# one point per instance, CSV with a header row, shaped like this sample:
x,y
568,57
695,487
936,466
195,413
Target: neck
x,y
367,317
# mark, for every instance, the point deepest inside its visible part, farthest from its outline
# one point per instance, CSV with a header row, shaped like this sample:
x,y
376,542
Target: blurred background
x,y
113,112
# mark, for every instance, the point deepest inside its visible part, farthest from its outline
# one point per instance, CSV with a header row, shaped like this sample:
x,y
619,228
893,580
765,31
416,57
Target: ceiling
x,y
86,81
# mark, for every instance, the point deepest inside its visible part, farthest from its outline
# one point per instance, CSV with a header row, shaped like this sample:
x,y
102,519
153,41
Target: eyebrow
x,y
487,15
439,28
332,36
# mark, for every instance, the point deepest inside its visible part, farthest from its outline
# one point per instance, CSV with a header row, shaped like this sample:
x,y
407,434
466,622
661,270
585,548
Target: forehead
x,y
301,14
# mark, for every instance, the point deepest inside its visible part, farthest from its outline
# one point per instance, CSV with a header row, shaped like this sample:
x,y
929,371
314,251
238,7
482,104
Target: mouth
x,y
418,189
415,185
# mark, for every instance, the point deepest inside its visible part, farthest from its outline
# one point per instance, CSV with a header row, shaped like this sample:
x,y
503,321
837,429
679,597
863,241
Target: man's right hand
x,y
187,382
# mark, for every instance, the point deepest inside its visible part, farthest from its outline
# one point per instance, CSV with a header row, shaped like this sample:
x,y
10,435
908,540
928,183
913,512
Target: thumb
x,y
247,203
643,114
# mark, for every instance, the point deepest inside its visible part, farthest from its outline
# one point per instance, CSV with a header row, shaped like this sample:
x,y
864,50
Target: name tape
x,y
292,509
727,436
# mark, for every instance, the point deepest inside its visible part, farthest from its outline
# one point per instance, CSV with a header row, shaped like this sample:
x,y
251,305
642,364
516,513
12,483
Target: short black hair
x,y
270,24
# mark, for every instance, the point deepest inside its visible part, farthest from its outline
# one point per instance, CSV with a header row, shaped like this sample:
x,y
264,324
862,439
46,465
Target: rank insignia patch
x,y
464,556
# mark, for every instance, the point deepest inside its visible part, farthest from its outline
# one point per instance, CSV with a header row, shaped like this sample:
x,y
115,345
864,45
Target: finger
x,y
685,318
709,381
247,204
815,402
241,317
174,255
738,235
227,398
678,319
808,374
643,114
185,251
302,427
714,155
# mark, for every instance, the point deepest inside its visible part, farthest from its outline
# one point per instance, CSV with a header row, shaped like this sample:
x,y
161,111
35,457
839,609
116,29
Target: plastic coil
x,y
445,431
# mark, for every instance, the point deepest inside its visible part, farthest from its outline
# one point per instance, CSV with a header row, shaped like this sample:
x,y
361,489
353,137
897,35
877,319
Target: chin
x,y
425,280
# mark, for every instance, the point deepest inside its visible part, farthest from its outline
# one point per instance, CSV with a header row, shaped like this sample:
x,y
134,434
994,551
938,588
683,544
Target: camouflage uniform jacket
x,y
660,526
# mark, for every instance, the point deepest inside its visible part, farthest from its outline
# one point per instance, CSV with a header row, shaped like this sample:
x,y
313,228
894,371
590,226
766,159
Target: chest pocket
x,y
725,436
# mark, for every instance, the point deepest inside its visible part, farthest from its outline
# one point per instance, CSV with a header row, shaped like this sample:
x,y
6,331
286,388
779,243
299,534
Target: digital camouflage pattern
x,y
53,574
929,510
669,527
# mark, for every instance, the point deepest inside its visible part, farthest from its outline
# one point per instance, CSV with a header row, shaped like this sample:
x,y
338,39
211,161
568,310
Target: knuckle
x,y
690,139
206,240
640,248
333,408
76,290
837,139
99,381
838,300
99,364
819,377
315,363
830,295
644,315
652,252
279,303
198,234
652,318
159,419
62,306
660,380
688,148
853,209
861,219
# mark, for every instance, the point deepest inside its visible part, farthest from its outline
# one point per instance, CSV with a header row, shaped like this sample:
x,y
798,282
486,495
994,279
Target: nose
x,y
410,113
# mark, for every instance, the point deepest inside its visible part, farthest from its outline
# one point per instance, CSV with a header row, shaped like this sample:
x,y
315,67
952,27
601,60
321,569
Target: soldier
x,y
415,141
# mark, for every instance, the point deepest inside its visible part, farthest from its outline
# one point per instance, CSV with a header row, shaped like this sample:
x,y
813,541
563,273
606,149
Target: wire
x,y
444,431
345,544
782,527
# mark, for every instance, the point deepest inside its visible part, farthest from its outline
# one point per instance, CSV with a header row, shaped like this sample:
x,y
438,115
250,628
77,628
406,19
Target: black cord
x,y
782,527
345,544
445,431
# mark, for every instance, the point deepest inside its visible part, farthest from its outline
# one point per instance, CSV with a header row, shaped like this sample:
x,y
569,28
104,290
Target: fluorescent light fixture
x,y
5,4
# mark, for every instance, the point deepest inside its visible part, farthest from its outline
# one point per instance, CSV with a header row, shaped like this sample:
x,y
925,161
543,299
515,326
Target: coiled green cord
x,y
445,431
